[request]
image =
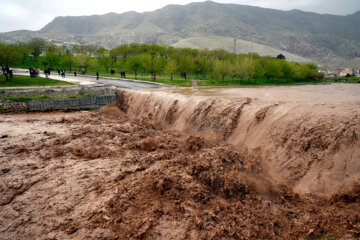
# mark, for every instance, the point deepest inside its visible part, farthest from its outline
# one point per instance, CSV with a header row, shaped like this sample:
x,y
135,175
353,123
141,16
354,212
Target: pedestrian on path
x,y
97,75
11,76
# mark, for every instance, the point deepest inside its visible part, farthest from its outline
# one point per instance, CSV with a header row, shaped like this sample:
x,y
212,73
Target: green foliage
x,y
83,61
42,97
170,68
259,70
9,55
221,69
23,81
135,64
51,59
280,56
36,46
185,65
272,69
105,62
286,69
18,99
245,67
211,65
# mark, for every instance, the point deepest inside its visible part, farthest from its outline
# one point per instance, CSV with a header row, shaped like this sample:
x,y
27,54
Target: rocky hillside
x,y
326,38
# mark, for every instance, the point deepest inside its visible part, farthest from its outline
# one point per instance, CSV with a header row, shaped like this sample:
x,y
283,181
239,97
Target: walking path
x,y
55,76
86,80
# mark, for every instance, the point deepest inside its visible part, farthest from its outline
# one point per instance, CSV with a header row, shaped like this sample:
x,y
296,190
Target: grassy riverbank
x,y
25,81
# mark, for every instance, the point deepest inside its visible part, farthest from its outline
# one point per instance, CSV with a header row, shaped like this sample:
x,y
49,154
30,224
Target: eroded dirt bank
x,y
145,170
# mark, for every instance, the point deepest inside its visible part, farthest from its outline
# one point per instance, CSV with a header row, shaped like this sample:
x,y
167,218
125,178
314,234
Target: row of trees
x,y
157,59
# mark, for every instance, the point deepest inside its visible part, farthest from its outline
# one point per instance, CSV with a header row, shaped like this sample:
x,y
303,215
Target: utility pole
x,y
235,45
252,44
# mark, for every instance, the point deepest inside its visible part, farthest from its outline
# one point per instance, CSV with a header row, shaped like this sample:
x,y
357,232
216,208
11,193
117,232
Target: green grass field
x,y
25,81
208,81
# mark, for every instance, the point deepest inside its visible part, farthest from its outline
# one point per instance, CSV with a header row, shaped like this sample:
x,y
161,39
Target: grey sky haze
x,y
35,14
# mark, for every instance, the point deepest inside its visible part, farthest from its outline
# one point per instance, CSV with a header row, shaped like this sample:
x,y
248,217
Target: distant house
x,y
345,72
329,73
358,73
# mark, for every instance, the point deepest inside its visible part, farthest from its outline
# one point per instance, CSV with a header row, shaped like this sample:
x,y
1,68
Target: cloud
x,y
35,14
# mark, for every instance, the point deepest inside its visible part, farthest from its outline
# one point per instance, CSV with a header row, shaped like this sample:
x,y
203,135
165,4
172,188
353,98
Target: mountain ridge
x,y
326,38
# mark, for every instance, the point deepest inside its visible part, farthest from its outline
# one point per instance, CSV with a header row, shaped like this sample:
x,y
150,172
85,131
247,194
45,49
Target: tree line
x,y
160,59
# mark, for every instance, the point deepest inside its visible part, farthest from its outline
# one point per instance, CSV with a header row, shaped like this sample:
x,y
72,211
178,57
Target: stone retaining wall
x,y
59,104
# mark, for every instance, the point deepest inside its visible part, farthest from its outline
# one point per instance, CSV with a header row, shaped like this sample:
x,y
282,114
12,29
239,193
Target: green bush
x,y
18,99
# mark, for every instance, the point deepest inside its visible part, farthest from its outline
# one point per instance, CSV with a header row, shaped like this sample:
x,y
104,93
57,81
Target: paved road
x,y
105,81
129,84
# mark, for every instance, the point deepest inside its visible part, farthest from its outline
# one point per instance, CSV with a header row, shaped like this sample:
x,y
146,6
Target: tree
x,y
51,59
36,47
312,66
320,75
286,69
134,64
158,65
145,59
100,52
170,69
272,69
221,69
94,63
259,70
82,61
105,62
67,60
9,55
280,56
185,65
245,67
300,71
153,50
22,49
233,71
120,64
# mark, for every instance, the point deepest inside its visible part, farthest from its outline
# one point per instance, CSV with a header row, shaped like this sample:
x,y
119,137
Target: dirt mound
x,y
111,110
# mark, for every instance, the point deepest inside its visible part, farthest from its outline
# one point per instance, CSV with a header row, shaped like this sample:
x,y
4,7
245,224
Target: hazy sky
x,y
35,14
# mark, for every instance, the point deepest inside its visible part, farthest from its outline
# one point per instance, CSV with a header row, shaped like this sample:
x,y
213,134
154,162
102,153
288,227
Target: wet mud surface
x,y
126,174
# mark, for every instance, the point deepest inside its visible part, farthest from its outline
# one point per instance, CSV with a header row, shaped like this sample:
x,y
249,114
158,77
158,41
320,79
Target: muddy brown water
x,y
320,93
180,164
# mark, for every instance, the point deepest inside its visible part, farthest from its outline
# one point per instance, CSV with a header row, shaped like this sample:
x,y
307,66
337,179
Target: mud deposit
x,y
172,167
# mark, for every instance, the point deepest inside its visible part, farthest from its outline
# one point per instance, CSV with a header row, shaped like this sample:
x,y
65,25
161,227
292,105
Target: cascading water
x,y
313,147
